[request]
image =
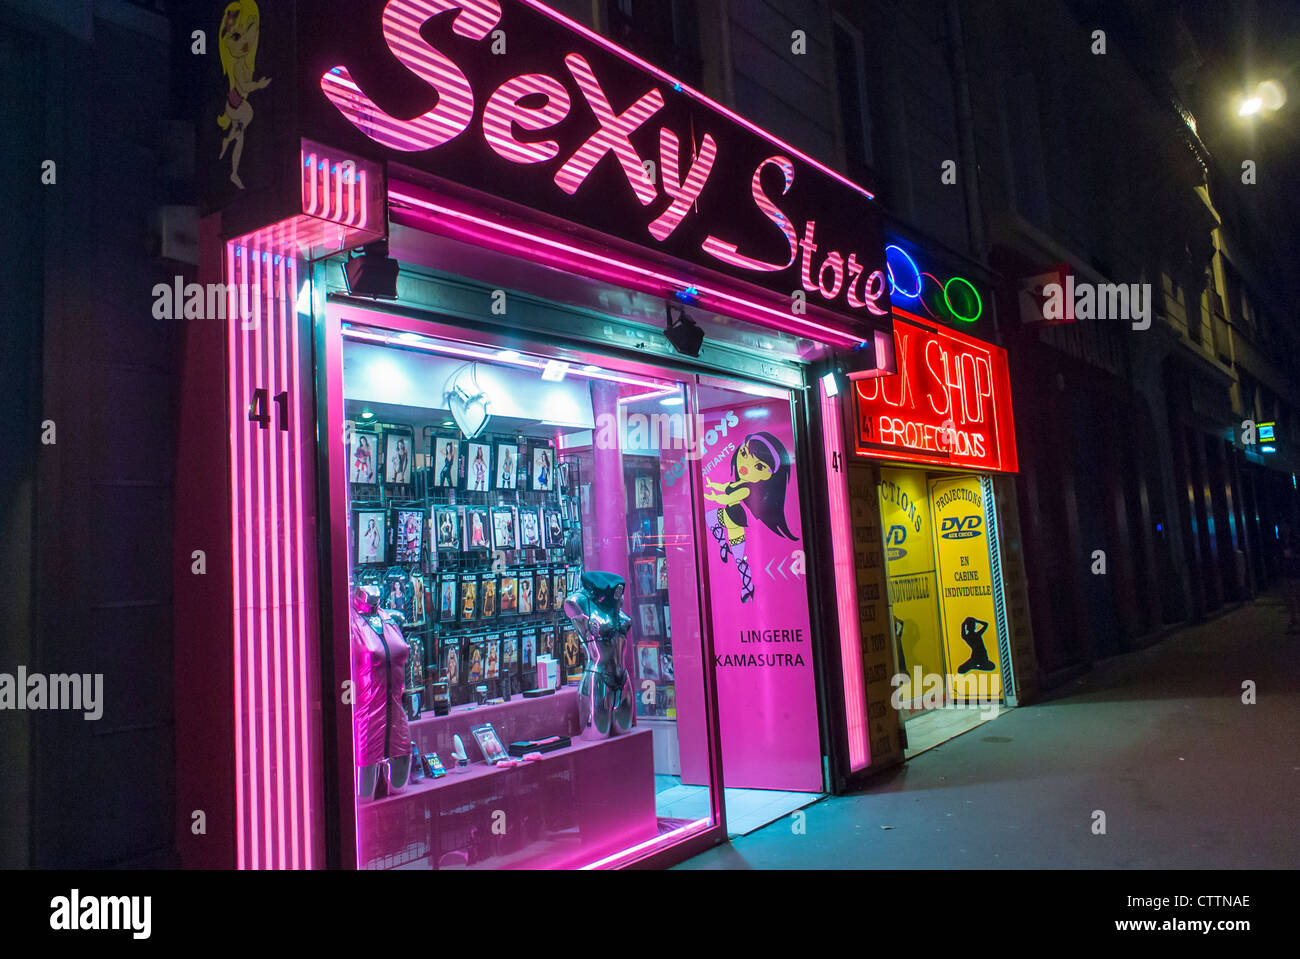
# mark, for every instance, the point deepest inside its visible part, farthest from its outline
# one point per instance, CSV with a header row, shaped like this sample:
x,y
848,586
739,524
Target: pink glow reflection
x,y
855,705
532,245
640,849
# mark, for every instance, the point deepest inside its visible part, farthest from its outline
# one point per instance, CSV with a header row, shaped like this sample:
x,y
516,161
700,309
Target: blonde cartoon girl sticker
x,y
760,472
240,28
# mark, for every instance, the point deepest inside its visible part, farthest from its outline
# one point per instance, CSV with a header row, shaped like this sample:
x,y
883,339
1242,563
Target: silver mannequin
x,y
605,696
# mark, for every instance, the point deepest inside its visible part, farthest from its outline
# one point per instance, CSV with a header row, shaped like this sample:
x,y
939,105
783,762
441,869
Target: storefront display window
x,y
525,606
937,554
947,408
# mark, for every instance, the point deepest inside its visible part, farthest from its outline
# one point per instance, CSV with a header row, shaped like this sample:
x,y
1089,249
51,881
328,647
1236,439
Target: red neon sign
x,y
949,404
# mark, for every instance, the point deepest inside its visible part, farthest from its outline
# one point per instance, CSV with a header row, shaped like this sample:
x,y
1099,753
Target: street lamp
x,y
1267,97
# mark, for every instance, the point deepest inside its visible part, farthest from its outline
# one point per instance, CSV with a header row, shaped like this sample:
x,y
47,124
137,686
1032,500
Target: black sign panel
x,y
505,99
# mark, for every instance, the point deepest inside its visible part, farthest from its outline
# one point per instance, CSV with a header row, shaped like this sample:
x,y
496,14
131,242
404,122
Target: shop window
x,y
944,598
517,706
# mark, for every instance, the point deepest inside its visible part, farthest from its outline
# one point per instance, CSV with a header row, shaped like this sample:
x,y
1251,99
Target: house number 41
x,y
260,413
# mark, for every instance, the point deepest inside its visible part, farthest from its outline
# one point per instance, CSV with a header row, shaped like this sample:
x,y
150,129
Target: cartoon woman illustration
x,y
760,471
479,467
361,468
240,27
448,461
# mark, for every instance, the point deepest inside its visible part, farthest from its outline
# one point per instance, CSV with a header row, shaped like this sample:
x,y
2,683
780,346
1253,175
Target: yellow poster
x,y
965,584
909,563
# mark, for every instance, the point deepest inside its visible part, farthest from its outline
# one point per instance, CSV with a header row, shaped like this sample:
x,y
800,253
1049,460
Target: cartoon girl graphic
x,y
361,468
760,471
240,27
479,466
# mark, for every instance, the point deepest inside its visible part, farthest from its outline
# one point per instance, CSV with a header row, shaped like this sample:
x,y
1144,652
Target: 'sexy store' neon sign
x,y
510,100
949,404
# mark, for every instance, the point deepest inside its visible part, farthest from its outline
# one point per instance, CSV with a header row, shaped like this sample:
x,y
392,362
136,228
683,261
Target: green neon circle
x,y
979,304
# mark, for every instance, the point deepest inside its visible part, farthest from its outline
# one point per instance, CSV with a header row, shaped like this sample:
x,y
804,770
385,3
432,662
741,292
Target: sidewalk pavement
x,y
1188,776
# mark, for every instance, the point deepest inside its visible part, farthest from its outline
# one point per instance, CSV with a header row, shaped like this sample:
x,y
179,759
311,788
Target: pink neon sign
x,y
511,99
451,218
271,484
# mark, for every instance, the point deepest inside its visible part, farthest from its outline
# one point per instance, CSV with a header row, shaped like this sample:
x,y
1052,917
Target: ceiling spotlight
x,y
508,355
372,273
683,333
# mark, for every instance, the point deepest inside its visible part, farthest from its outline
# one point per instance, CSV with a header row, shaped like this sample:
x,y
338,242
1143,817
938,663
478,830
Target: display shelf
x,y
481,769
554,715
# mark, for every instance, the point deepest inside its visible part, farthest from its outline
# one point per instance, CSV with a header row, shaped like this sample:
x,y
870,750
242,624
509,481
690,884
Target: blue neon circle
x,y
889,269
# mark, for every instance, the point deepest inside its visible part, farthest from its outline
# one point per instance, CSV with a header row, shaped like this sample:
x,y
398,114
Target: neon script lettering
x,y
941,401
531,103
